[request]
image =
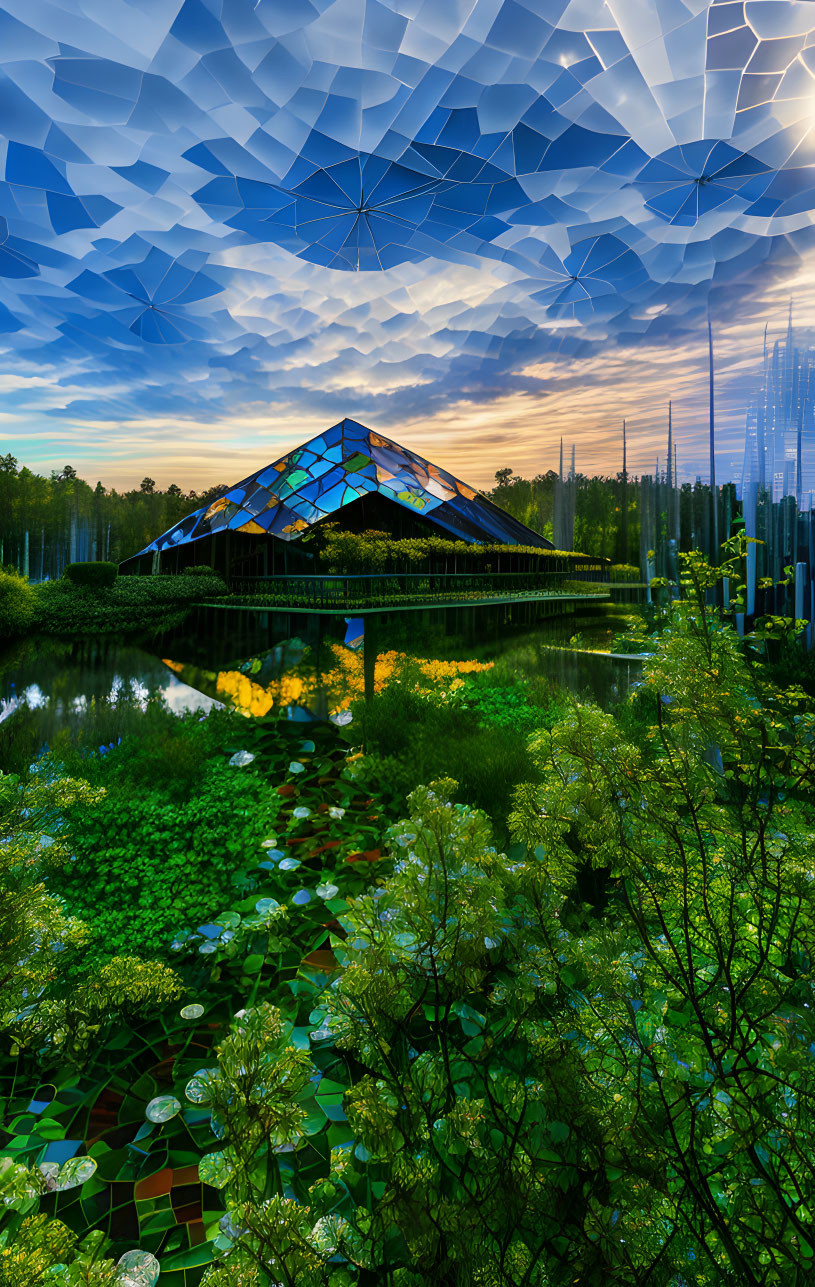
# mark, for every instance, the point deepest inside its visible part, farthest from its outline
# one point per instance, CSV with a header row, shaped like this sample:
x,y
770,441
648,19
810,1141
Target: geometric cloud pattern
x,y
336,468
188,187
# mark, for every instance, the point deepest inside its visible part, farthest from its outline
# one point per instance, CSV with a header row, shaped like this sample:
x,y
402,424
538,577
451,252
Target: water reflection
x,y
51,687
324,681
48,687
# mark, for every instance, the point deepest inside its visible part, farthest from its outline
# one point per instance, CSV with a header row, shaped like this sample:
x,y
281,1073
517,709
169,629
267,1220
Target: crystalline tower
x,y
780,436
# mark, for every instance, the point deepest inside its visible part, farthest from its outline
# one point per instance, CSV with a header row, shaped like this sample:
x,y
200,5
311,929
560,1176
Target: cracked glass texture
x,y
185,184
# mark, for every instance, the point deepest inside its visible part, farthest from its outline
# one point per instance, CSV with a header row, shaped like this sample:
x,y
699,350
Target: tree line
x,y
600,504
46,523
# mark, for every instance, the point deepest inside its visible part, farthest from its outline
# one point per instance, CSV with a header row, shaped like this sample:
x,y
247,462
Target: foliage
x,y
96,576
353,553
497,705
32,923
163,842
163,1177
700,837
583,587
455,1162
601,526
624,572
586,1062
42,1246
40,1000
17,605
411,737
131,604
75,518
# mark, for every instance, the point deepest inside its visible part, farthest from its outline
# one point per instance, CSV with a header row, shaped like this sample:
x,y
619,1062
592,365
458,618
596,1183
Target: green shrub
x,y
624,572
136,748
500,705
131,604
200,569
411,740
146,866
96,576
17,605
159,850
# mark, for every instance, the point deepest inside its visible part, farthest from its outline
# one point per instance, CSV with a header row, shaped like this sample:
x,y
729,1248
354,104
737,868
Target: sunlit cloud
x,y
479,259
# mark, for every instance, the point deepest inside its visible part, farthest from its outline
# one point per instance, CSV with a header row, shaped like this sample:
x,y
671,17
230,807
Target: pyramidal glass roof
x,y
335,469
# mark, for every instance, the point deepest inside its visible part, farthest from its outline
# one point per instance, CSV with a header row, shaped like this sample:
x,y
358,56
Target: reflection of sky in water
x,y
32,697
8,706
181,697
178,696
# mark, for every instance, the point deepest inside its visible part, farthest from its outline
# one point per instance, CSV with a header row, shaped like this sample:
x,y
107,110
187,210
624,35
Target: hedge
x,y
347,553
130,605
96,576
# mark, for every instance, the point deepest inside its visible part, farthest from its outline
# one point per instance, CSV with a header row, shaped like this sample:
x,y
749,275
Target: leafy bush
x,y
175,823
17,605
44,996
40,1247
136,747
624,572
500,705
373,551
145,866
199,569
131,604
96,576
412,739
583,587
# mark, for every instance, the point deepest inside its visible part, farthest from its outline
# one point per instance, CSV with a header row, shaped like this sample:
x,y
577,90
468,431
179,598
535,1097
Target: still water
x,y
50,689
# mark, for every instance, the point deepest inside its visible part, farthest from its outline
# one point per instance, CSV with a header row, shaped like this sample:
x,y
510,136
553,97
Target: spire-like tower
x,y
713,495
761,424
624,508
780,429
669,498
799,490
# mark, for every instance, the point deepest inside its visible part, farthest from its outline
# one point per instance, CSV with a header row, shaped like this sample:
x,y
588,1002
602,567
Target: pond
x,y
50,688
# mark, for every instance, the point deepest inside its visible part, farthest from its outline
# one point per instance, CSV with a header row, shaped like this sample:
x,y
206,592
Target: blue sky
x,y
479,226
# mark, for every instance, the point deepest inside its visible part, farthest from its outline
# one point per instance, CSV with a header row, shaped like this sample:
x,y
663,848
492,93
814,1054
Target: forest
x,y
66,519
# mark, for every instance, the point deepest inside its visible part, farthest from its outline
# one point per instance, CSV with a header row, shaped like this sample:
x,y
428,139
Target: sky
x,y
479,227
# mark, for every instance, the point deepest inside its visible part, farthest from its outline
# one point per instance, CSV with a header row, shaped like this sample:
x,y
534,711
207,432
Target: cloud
x,y
473,228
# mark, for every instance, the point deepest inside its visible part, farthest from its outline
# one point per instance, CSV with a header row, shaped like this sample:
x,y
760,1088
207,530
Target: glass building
x,y
350,475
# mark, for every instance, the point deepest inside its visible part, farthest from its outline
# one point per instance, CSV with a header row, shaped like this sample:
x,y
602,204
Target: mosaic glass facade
x,y
340,466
